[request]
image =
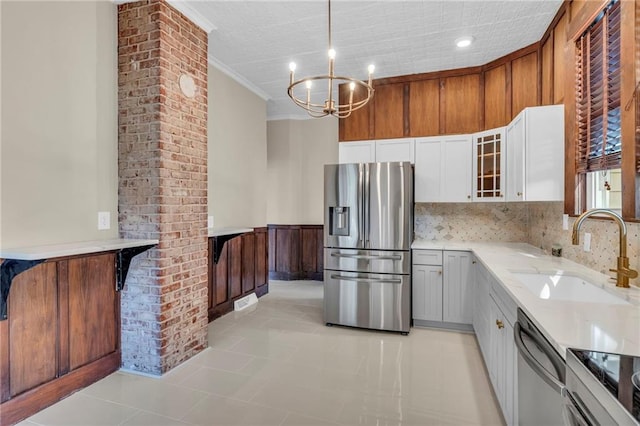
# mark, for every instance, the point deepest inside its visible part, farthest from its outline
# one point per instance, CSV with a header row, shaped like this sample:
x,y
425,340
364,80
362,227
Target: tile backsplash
x,y
539,224
496,222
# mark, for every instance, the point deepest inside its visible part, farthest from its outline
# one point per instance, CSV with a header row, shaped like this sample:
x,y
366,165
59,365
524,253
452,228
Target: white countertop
x,y
595,326
71,249
216,232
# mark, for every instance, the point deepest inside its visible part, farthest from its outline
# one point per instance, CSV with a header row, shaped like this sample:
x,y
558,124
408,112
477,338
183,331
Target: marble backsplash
x,y
539,224
545,229
496,222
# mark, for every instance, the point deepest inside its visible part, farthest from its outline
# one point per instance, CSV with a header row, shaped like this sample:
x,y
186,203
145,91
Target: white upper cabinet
x,y
489,162
357,152
443,169
395,150
535,157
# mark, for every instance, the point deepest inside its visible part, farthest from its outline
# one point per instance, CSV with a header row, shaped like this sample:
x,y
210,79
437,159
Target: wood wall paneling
x,y
462,104
92,309
262,267
235,267
524,83
248,263
389,111
424,108
32,326
62,333
242,269
359,125
495,97
298,252
547,72
560,53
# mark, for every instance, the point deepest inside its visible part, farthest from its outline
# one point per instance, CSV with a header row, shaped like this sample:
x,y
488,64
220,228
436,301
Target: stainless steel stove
x,y
602,389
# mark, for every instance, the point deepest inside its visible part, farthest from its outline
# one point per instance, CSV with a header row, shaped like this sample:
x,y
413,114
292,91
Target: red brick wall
x,y
162,154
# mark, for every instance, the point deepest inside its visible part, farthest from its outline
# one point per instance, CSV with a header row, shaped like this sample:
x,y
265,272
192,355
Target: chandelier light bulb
x,y
308,84
352,86
371,68
292,66
332,53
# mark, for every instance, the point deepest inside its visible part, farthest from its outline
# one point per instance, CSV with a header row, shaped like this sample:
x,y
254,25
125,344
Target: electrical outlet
x,y
104,221
565,222
587,242
210,222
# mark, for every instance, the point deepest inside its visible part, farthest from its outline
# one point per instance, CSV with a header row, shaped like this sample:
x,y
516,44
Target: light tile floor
x,y
278,364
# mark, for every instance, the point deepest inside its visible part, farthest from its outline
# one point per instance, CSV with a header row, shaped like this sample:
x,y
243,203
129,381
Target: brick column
x,y
162,156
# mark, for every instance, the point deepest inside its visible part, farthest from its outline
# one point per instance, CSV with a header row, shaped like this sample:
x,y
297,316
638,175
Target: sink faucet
x,y
623,272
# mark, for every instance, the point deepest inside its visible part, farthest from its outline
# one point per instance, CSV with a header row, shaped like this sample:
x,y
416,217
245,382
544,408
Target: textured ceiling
x,y
256,40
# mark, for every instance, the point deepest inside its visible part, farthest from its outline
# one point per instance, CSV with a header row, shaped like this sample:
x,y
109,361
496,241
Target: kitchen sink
x,y
560,286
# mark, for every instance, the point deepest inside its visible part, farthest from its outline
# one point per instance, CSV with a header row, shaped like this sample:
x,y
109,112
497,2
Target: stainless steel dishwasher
x,y
541,376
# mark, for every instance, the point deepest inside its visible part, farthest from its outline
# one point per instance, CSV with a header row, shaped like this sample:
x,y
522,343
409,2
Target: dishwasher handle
x,y
535,365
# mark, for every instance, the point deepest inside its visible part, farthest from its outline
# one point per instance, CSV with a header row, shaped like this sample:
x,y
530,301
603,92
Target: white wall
x,y
297,153
58,146
237,146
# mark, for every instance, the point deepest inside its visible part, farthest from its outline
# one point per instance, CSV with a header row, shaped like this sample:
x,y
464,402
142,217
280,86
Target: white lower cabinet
x,y
442,284
493,321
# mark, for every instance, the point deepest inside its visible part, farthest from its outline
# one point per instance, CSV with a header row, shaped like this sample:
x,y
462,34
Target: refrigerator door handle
x,y
367,201
364,256
366,280
360,205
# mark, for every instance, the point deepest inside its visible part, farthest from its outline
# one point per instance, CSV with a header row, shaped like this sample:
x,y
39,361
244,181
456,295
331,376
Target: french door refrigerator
x,y
368,229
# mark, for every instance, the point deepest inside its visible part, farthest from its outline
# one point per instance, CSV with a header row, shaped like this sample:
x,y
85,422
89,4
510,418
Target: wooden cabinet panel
x,y
309,252
495,97
524,83
462,104
358,125
32,328
547,72
389,111
424,108
248,263
93,308
559,52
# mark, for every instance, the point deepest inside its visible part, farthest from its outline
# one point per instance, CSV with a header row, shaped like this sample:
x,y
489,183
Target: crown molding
x,y
183,7
196,17
238,78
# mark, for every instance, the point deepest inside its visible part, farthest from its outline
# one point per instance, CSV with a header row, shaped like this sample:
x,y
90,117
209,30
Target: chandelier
x,y
330,106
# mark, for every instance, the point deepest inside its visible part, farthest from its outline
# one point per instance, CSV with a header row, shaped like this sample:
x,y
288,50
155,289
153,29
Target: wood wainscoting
x,y
240,271
296,252
62,333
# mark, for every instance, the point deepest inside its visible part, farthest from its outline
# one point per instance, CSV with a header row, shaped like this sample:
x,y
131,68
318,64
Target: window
x,y
598,109
604,190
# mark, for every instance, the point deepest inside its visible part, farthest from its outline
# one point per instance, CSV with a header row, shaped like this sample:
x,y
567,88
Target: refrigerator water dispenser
x,y
339,218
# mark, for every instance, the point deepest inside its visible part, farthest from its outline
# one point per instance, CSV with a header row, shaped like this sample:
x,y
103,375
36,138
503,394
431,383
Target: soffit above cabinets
x,y
254,41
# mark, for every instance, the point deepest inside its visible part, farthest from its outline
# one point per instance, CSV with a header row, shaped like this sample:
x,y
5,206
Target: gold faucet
x,y
623,272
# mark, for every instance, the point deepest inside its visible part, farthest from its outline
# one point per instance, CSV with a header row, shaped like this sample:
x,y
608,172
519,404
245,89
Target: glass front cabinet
x,y
489,165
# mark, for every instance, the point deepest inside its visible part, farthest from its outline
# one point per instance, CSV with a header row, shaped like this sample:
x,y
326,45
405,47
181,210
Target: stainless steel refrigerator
x,y
368,229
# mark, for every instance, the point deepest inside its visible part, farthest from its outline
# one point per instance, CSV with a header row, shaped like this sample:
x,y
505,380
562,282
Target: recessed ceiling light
x,y
464,41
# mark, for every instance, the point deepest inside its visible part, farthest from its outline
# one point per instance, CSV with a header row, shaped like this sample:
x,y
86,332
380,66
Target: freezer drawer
x,y
382,262
376,301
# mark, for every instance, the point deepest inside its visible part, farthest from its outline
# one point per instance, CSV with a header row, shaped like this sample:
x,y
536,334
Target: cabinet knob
x,y
500,324
519,194
439,272
468,197
473,261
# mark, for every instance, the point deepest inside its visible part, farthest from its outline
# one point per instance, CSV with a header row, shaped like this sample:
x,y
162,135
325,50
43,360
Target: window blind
x,y
598,112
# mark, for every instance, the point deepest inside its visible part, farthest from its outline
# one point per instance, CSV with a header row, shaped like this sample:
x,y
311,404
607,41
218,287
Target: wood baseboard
x,y
27,404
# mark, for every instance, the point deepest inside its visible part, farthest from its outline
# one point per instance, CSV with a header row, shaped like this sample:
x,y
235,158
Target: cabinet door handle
x,y
500,324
